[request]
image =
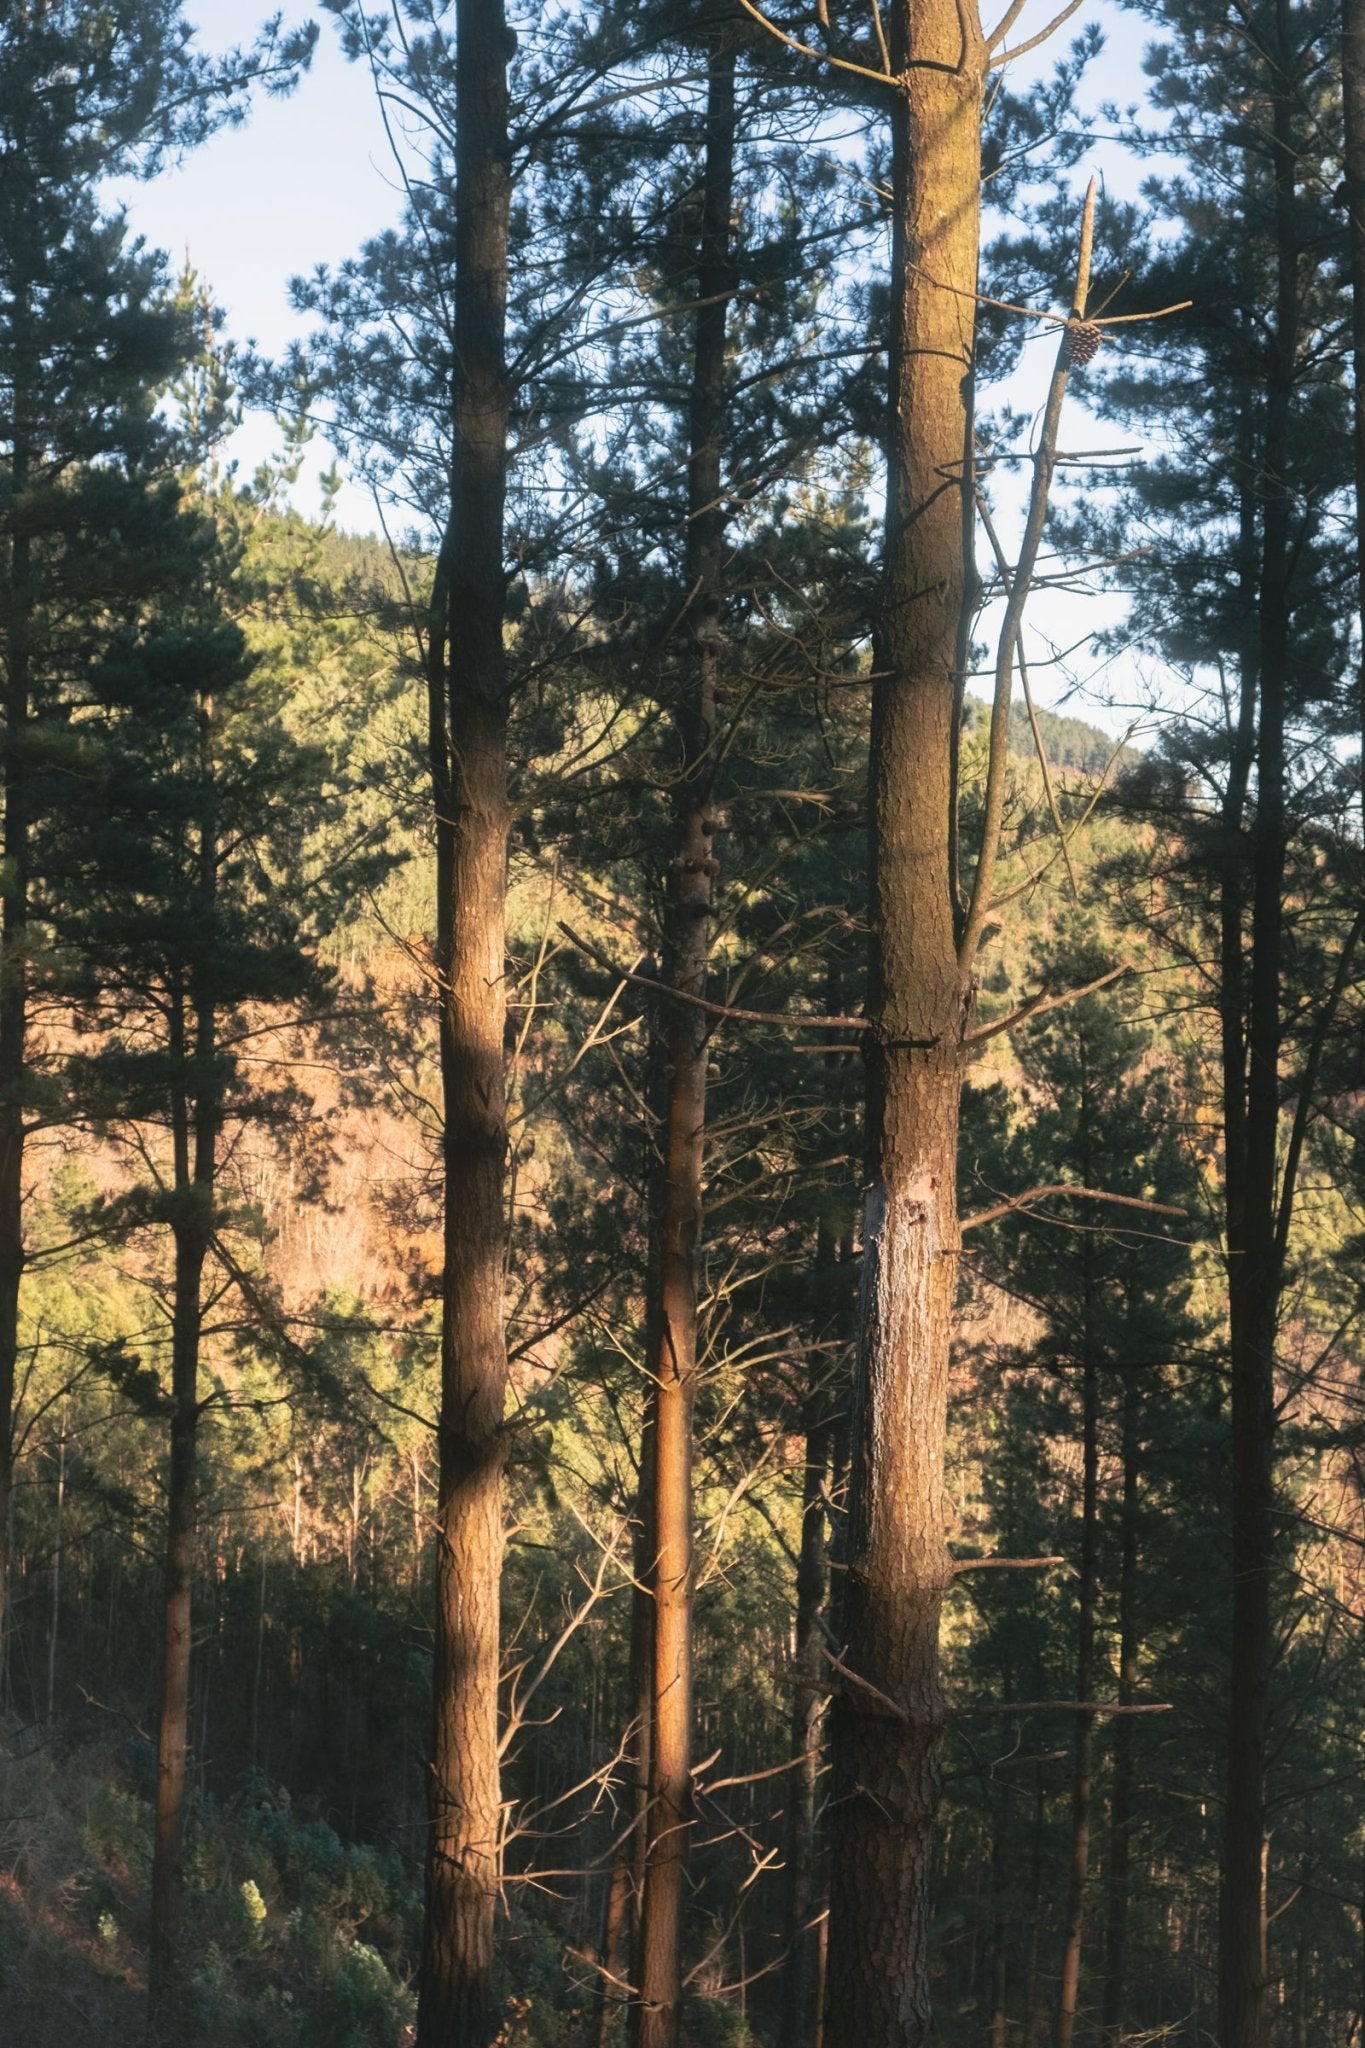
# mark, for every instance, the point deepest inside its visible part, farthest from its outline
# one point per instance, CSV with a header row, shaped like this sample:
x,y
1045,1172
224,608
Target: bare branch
x,y
1003,565
1026,1201
1005,1564
598,1590
875,1692
996,36
726,1010
1044,465
1039,1005
819,56
1062,1707
754,1777
1022,49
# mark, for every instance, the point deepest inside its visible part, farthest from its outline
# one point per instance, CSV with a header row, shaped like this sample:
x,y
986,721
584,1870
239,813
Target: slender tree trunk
x,y
614,1949
468,697
173,1728
56,1577
887,1717
19,604
1121,1799
621,1932
1083,1739
1303,1965
1253,1195
195,1113
799,1972
1035,2007
687,949
1353,98
173,1731
999,2032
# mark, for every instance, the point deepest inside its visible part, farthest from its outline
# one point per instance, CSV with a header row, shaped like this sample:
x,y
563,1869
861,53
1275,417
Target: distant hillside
x,y
1072,746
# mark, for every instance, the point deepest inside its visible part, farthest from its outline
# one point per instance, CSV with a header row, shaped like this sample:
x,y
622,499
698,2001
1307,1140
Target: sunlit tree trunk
x,y
692,872
887,1716
468,697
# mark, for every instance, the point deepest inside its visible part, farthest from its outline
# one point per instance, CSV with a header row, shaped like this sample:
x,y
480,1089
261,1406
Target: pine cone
x,y
1083,338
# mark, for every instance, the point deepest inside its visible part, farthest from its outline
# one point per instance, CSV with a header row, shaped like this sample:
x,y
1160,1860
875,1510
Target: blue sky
x,y
305,180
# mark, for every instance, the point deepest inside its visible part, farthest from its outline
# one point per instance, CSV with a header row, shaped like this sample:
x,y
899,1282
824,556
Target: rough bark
x,y
687,941
467,682
887,1717
1083,1739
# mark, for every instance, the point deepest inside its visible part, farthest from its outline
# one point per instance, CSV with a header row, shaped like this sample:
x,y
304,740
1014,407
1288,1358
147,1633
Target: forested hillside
x,y
680,1280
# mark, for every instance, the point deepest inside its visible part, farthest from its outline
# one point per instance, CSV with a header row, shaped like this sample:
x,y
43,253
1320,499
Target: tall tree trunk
x,y
54,1625
887,1717
1083,1739
468,694
1353,98
673,1366
1000,1943
194,1118
194,1141
800,1970
626,1884
1035,2007
1121,1799
1252,1194
173,1727
19,604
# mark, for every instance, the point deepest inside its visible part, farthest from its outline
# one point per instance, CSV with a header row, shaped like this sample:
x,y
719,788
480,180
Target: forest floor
x,y
292,1939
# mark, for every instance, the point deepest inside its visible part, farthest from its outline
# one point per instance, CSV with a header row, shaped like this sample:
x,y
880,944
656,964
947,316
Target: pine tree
x,y
189,915
1245,599
1098,1112
88,335
433,372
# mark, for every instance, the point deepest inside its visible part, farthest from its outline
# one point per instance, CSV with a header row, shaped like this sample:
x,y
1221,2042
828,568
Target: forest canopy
x,y
681,1183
